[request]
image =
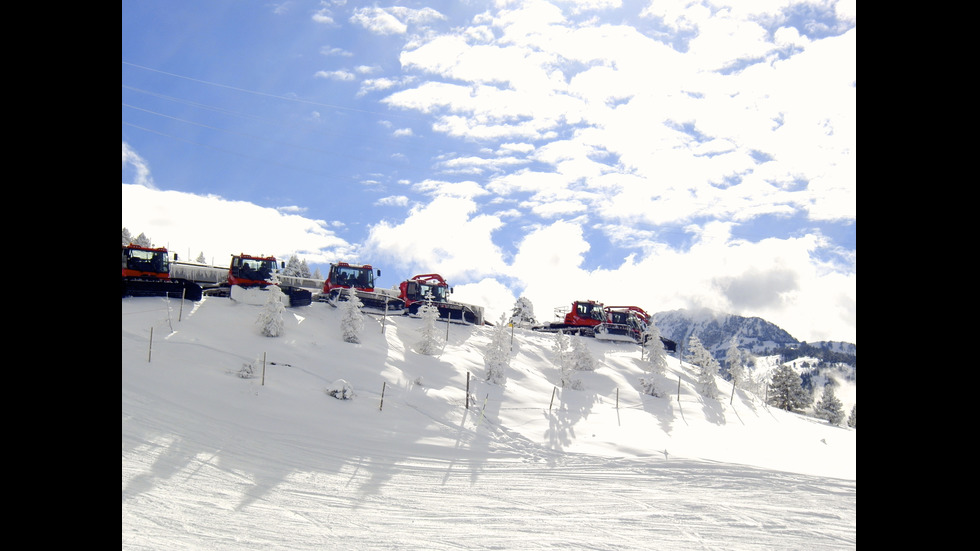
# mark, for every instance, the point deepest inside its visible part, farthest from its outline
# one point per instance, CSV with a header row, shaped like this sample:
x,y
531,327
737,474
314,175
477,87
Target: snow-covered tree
x,y
126,237
829,407
736,364
560,348
786,389
431,342
271,317
351,318
852,420
317,274
292,268
656,360
656,354
580,358
497,355
201,259
707,366
523,314
142,240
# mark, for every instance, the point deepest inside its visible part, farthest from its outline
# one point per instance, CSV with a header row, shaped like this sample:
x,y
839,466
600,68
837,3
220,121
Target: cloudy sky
x,y
665,154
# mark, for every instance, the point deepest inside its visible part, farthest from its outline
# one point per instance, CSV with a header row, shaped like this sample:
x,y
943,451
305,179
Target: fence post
x,y
383,385
678,388
552,399
617,397
149,353
263,369
732,400
467,390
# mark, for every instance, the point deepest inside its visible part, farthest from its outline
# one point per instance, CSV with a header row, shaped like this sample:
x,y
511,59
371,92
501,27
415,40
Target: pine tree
x,y
201,259
736,365
523,314
656,360
142,240
707,367
271,317
304,268
497,356
292,268
786,390
830,407
852,420
561,350
581,358
126,237
430,343
352,319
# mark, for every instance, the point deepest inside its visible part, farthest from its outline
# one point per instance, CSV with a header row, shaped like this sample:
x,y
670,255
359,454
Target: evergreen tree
x,y
317,274
707,367
201,259
292,268
561,350
656,360
142,240
126,237
581,359
523,314
830,407
271,317
430,343
497,356
304,268
852,420
786,390
736,365
352,319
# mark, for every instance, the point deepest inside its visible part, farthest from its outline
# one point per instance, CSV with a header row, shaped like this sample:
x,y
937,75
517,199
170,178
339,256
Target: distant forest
x,y
824,355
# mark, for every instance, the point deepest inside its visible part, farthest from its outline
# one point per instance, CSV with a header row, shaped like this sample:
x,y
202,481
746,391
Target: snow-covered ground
x,y
212,460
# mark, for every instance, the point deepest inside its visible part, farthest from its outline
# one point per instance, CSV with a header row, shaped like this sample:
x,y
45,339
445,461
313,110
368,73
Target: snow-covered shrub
x,y
340,389
249,369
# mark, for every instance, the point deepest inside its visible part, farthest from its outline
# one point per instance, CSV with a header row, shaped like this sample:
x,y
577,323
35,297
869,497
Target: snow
x,y
212,460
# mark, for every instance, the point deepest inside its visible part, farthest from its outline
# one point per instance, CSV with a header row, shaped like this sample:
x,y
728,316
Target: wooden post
x,y
678,388
383,385
263,369
467,390
732,400
617,397
552,399
149,355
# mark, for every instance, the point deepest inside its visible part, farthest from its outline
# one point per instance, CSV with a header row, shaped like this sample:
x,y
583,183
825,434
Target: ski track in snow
x,y
196,479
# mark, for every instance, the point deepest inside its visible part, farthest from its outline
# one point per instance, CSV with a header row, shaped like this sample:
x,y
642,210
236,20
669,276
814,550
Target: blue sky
x,y
668,154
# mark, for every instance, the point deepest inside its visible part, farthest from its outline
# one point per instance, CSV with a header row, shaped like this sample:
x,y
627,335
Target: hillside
x,y
212,460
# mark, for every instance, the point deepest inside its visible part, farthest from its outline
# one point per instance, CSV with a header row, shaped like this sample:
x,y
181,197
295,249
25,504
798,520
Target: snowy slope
x,y
212,460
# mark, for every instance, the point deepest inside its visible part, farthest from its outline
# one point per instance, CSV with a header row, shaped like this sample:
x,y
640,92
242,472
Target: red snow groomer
x,y
588,318
249,277
146,273
414,292
343,276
